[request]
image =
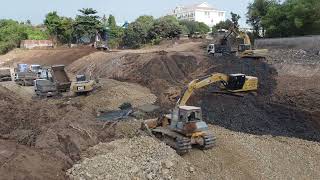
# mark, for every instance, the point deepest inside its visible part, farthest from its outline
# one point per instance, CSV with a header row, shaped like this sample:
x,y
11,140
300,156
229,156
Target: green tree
x,y
35,33
11,33
114,32
222,25
235,19
112,21
53,22
86,24
59,28
146,21
165,27
292,18
194,27
133,35
256,10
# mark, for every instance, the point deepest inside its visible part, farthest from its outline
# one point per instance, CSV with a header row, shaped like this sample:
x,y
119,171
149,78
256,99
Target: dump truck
x,y
60,78
45,88
25,78
5,74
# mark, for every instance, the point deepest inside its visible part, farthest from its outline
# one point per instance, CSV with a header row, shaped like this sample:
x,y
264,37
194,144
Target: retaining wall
x,y
292,42
30,44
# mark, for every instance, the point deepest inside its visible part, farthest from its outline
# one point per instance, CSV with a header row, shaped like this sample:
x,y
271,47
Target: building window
x,y
221,14
207,13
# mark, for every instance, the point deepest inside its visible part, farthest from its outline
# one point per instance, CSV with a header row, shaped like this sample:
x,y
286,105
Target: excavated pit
x,y
269,112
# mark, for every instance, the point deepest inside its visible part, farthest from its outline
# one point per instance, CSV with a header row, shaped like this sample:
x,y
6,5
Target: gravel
x,y
135,158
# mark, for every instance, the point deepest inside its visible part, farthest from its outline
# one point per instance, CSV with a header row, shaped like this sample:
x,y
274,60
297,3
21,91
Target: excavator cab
x,y
244,47
236,81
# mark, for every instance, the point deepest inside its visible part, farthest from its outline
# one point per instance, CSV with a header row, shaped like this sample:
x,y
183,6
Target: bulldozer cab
x,y
189,113
188,120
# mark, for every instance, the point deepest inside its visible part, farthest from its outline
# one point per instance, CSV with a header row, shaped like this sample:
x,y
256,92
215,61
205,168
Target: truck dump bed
x,y
61,78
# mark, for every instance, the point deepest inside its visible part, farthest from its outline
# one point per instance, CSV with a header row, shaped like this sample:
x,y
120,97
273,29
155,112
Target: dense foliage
x,y
233,22
271,18
12,32
193,27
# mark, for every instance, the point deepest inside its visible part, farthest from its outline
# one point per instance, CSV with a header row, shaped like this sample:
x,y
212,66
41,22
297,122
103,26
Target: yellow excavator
x,y
245,50
184,127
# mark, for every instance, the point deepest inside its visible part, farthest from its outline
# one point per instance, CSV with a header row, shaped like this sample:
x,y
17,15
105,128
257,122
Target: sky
x,y
35,10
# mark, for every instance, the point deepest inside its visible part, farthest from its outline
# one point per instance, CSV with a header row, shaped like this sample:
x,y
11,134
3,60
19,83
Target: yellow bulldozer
x,y
185,127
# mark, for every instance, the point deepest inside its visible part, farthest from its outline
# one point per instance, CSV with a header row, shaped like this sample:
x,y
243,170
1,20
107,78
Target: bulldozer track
x,y
208,142
183,145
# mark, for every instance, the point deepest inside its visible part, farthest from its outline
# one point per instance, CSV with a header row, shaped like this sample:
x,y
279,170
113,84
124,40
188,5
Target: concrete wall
x,y
30,44
312,42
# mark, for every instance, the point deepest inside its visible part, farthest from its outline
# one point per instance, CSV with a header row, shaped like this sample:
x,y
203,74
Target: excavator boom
x,y
231,83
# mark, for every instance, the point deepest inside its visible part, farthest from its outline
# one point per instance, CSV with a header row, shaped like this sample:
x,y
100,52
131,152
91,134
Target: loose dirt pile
x,y
113,93
45,56
59,131
165,73
136,158
22,162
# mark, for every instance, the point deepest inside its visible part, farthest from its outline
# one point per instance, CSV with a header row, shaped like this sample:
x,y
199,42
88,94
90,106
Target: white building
x,y
200,12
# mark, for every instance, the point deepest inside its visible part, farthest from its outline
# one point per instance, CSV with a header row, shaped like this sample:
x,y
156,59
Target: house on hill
x,y
202,12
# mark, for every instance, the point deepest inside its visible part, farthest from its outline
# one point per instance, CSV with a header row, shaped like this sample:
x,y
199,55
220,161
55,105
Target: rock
x,y
191,169
168,164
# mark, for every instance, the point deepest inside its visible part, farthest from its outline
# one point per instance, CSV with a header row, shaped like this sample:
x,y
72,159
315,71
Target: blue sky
x,y
35,10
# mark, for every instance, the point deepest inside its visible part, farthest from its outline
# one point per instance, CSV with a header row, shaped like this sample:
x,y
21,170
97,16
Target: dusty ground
x,y
274,135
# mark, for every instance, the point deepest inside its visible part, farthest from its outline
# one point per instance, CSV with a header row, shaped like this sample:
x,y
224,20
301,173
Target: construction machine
x,y
45,88
185,127
245,49
101,42
82,85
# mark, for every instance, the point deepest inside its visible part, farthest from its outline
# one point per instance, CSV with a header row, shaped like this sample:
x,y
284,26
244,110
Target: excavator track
x,y
208,141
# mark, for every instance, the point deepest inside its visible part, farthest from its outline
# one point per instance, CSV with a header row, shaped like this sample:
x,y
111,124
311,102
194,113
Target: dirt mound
x,y
45,57
60,131
21,162
163,72
136,158
113,93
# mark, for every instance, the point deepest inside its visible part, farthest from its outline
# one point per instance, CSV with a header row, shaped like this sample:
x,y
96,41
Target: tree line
x,y
268,18
272,18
